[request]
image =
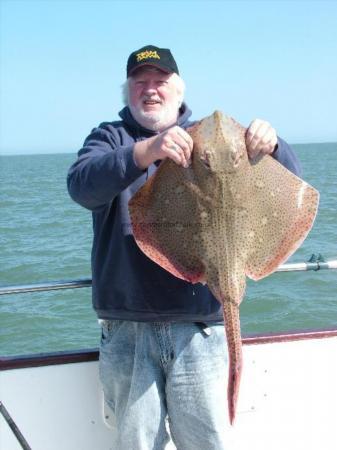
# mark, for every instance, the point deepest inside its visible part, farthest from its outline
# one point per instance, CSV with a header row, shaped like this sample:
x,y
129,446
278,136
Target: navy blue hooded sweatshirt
x,y
127,285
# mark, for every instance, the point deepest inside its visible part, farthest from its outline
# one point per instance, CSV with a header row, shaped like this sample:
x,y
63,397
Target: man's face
x,y
154,99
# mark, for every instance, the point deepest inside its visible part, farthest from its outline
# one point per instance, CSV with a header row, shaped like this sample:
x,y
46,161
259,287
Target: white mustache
x,y
151,99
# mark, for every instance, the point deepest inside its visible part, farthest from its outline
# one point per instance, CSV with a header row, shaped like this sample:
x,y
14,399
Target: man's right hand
x,y
174,143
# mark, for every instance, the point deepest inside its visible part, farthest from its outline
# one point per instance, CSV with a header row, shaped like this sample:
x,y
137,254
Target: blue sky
x,y
62,64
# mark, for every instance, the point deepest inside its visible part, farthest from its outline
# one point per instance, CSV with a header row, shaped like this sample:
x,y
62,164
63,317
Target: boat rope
x,y
19,436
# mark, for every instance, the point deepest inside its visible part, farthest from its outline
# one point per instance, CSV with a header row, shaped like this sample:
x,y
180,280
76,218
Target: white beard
x,y
156,120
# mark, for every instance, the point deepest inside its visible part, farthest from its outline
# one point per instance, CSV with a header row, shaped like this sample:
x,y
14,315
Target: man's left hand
x,y
261,138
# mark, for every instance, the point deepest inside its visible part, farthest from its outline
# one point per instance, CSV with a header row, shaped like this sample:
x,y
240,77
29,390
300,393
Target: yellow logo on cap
x,y
147,54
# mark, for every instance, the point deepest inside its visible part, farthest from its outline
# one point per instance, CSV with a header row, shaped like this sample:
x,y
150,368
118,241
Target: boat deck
x,y
288,400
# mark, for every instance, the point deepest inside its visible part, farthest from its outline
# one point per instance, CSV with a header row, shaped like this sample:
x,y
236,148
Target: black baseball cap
x,y
152,56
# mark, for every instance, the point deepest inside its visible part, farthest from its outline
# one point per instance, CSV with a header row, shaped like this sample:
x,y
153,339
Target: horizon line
x,y
62,152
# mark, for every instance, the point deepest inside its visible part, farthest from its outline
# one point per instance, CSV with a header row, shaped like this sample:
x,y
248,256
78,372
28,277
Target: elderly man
x,y
163,351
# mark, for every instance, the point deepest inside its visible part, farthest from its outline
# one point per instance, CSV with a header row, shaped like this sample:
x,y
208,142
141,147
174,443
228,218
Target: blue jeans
x,y
158,370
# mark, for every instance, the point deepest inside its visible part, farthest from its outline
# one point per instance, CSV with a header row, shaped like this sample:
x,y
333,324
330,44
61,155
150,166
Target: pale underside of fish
x,y
222,219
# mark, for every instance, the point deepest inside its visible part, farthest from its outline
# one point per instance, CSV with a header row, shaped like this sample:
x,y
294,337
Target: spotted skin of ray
x,y
222,219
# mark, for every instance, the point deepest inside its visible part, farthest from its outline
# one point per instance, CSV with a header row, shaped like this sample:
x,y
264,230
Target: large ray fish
x,y
222,219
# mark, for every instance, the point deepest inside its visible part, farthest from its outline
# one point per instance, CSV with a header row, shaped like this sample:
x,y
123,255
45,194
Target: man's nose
x,y
150,88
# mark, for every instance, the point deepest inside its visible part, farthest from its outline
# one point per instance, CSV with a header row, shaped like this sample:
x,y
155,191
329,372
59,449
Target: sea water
x,y
45,236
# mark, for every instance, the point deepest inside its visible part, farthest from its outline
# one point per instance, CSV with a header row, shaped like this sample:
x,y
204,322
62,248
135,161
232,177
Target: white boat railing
x,y
315,264
42,287
318,265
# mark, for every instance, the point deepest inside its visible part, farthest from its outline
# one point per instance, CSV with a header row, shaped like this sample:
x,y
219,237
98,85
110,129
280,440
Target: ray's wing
x,y
163,215
282,211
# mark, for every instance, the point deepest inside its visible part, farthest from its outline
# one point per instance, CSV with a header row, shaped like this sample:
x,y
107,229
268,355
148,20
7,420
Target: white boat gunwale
x,y
87,355
54,391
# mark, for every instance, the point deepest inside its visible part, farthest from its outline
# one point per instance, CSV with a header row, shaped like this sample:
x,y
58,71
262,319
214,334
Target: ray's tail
x,y
235,369
229,290
233,334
